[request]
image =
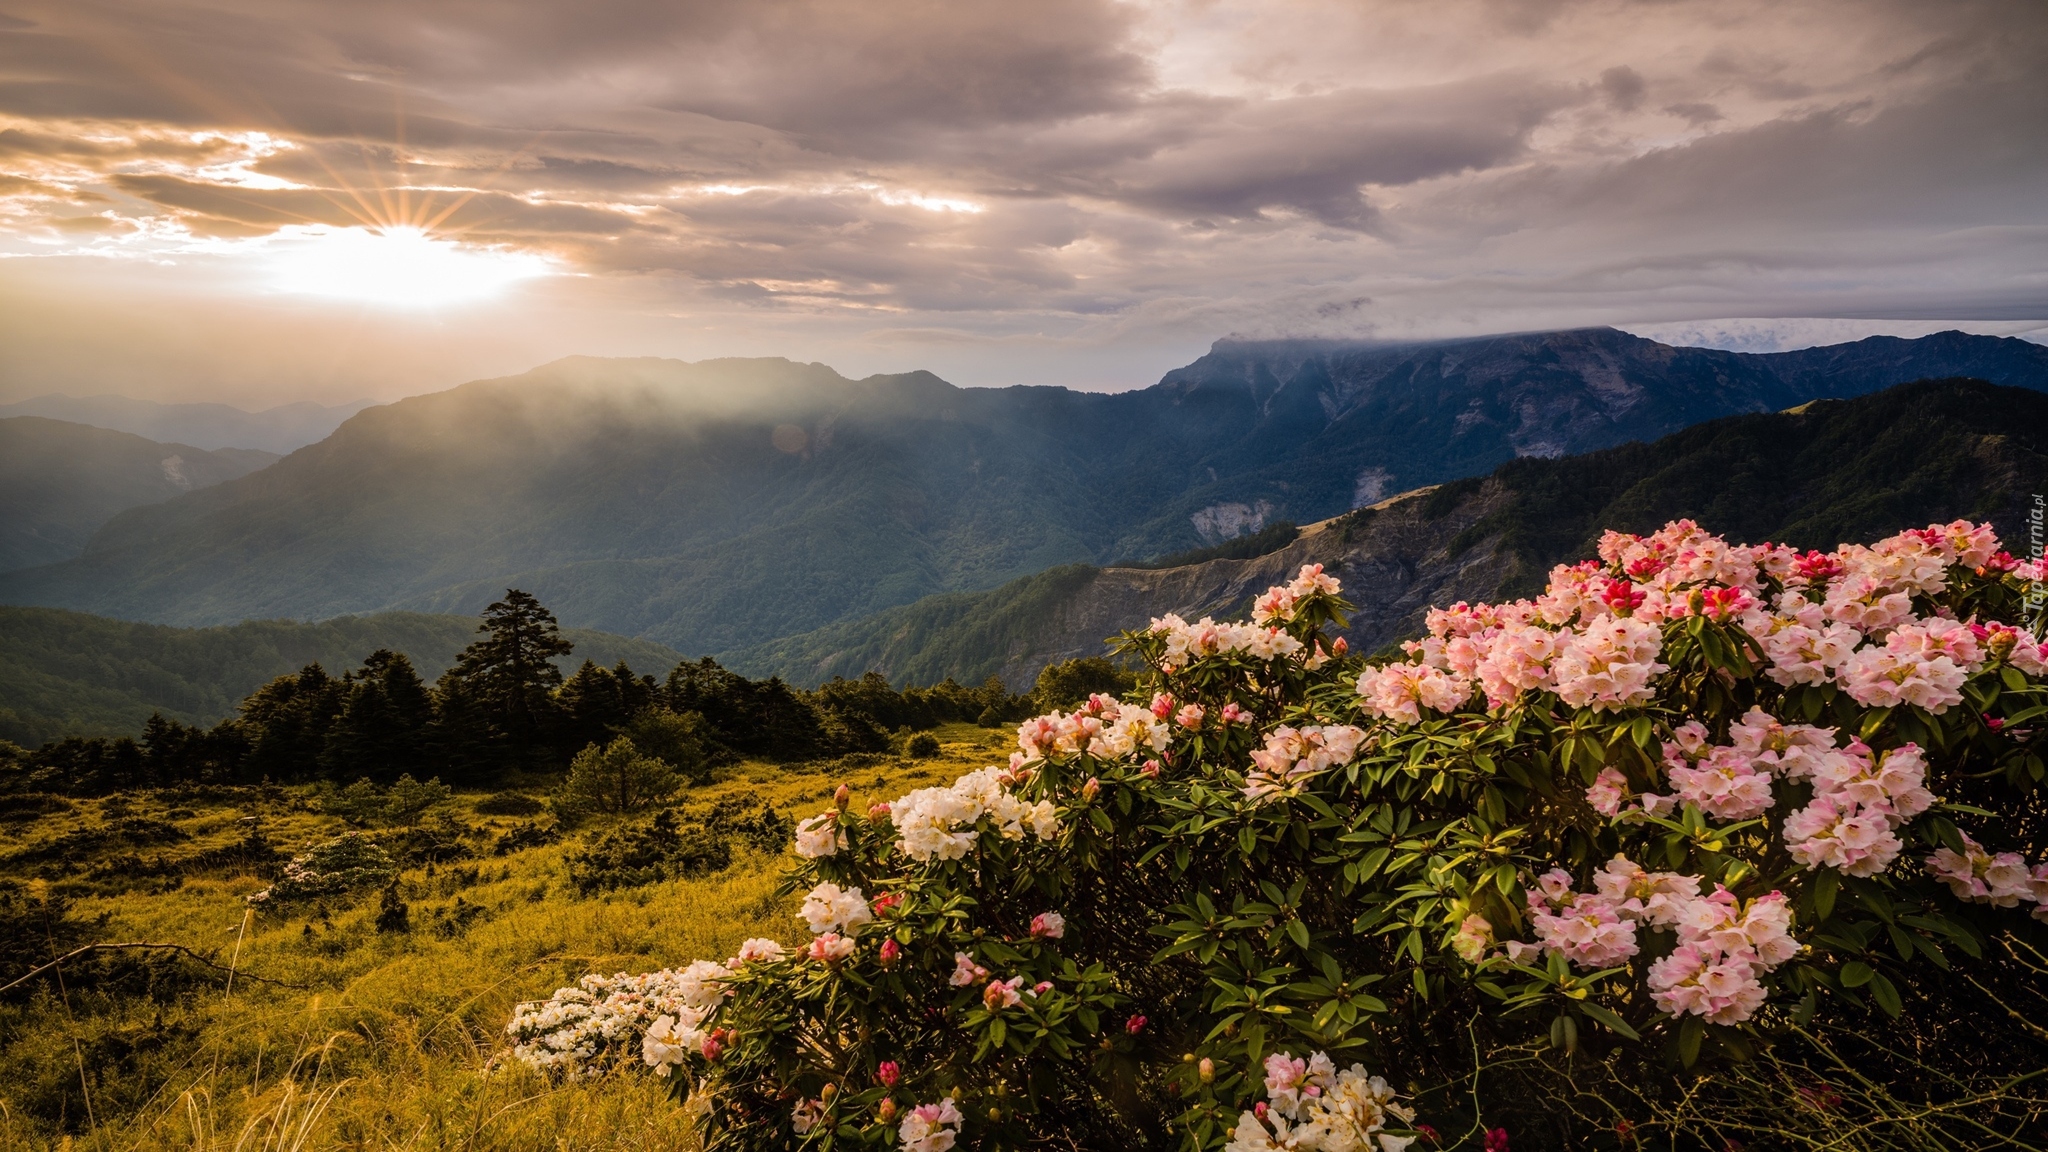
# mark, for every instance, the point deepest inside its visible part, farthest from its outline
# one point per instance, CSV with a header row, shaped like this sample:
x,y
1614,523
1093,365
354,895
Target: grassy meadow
x,y
333,1034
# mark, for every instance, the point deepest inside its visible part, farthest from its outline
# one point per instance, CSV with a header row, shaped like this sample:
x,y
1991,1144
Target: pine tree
x,y
510,675
386,717
286,724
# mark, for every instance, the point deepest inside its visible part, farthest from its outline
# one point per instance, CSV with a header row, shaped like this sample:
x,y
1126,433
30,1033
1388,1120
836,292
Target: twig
x,y
35,972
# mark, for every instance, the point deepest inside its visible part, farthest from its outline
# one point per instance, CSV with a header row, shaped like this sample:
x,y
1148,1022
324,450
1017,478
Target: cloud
x,y
1057,184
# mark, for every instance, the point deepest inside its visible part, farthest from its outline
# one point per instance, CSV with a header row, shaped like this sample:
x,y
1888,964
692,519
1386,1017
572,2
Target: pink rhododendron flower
x,y
1472,942
831,948
1886,678
1048,926
1608,790
1292,756
1399,691
1894,781
1838,833
1722,988
806,1115
966,971
930,1127
1001,994
1724,785
1610,665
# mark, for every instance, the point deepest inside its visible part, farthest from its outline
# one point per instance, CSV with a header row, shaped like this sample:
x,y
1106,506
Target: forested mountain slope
x,y
714,506
60,482
1834,471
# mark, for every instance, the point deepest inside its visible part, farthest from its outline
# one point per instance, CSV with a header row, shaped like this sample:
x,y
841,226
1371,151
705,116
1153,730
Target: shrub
x,y
615,779
661,849
520,837
922,746
342,865
509,804
1676,834
408,799
677,739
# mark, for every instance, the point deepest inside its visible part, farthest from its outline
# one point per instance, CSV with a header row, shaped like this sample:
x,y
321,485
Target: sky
x,y
261,201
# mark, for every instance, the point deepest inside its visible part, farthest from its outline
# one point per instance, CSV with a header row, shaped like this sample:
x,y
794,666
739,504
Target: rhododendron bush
x,y
1694,799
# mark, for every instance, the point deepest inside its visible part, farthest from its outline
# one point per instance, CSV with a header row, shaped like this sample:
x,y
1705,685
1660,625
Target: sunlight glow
x,y
396,267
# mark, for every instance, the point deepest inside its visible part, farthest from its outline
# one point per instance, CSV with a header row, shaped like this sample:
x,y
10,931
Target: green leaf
x,y
1887,997
1298,932
1825,885
1612,1021
1690,1034
1855,974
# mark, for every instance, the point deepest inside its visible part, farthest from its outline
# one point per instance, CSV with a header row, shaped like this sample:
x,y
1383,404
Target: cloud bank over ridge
x,y
1074,191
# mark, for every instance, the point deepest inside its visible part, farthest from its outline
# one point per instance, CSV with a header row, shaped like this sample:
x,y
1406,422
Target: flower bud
x,y
827,1092
1091,790
1187,1057
1206,1070
1135,1025
888,1072
1339,647
2002,643
879,813
891,952
842,797
887,1112
995,1113
1151,769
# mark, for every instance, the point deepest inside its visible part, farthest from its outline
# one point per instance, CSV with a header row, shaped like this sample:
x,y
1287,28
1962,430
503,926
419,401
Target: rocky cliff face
x,y
1394,561
1824,473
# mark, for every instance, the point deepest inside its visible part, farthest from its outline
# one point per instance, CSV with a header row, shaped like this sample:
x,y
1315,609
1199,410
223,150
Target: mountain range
x,y
725,505
1827,472
60,482
278,430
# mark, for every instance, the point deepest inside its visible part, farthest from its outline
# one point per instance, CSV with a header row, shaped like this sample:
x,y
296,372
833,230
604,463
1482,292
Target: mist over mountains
x,y
278,430
59,482
720,505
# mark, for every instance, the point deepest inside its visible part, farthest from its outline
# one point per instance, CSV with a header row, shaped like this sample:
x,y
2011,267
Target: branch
x,y
35,972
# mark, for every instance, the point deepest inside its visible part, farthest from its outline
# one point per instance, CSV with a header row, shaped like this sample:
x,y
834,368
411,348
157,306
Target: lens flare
x,y
395,267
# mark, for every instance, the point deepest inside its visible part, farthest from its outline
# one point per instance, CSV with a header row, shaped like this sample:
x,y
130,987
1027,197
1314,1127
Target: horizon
x,y
262,203
1732,344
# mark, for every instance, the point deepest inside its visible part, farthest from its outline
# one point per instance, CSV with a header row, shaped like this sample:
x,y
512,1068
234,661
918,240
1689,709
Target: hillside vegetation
x,y
70,674
347,1026
720,505
1832,471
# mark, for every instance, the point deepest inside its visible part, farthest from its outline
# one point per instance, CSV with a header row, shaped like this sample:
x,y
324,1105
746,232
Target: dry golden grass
x,y
395,1041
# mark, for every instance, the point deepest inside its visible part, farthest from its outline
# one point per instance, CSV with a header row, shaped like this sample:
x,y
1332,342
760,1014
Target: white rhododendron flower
x,y
830,908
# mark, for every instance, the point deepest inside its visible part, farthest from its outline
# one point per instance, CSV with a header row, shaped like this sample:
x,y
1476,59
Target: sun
x,y
399,266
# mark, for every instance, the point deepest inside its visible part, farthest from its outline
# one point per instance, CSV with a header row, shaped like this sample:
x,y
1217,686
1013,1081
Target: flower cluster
x,y
930,1127
943,823
1104,729
1724,946
1593,637
2002,879
1312,1106
571,1031
1292,756
1187,642
1282,602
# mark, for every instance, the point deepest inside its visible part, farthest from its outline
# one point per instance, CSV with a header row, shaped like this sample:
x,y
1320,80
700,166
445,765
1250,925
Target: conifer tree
x,y
511,676
384,723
